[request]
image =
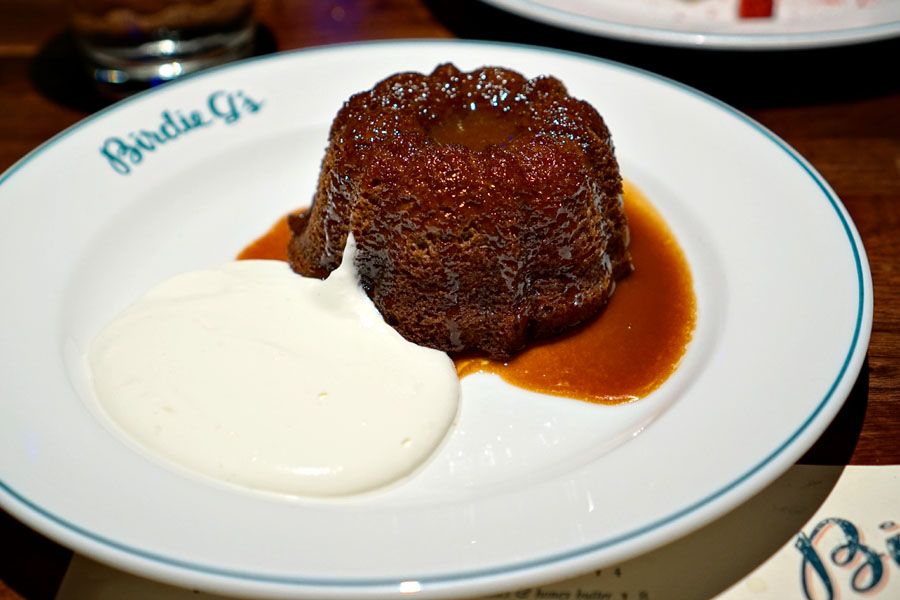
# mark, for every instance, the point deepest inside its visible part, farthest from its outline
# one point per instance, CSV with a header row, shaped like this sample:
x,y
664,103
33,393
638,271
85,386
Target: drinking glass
x,y
138,43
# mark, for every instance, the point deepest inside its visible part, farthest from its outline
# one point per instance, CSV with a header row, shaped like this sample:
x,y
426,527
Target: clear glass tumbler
x,y
139,43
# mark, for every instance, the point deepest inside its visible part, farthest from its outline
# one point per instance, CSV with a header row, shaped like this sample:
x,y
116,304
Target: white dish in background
x,y
528,488
715,24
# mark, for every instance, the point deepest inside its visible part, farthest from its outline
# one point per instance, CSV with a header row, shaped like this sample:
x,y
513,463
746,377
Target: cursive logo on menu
x,y
123,153
865,566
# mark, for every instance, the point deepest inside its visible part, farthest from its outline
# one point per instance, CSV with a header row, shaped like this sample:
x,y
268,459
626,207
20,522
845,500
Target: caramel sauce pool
x,y
475,129
624,353
271,246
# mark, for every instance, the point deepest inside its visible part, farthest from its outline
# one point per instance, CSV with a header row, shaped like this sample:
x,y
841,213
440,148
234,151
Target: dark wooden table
x,y
838,107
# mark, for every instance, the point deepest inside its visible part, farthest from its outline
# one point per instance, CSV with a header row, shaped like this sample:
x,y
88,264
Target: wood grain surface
x,y
839,107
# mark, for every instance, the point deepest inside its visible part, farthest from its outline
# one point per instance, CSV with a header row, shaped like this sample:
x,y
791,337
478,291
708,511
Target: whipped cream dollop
x,y
251,374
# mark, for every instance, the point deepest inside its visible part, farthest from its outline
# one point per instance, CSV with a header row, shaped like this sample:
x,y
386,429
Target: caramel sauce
x,y
624,353
634,344
271,246
474,129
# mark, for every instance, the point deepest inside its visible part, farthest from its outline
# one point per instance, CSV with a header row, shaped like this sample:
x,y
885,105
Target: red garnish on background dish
x,y
756,8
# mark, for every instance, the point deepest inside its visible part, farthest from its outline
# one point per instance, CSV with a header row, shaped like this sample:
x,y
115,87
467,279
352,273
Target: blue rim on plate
x,y
39,517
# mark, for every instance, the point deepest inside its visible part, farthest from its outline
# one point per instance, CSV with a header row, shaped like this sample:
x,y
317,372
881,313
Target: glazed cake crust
x,y
486,208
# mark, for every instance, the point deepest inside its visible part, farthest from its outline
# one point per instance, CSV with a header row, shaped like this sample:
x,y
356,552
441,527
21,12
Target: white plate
x,y
716,24
528,488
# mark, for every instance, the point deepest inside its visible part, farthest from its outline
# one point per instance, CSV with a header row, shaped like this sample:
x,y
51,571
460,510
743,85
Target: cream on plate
x,y
251,374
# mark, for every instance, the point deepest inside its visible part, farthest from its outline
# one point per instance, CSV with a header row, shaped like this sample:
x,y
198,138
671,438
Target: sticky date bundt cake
x,y
486,208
